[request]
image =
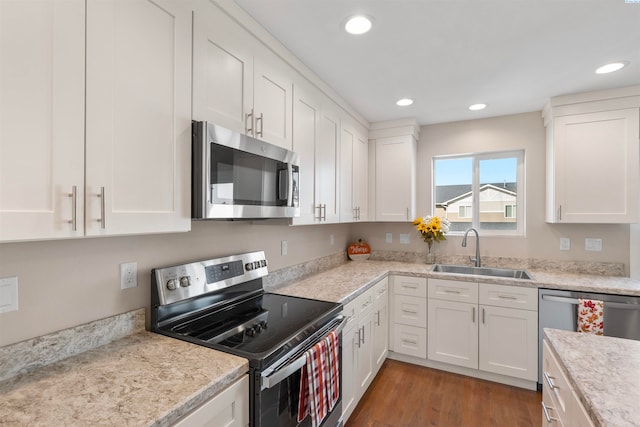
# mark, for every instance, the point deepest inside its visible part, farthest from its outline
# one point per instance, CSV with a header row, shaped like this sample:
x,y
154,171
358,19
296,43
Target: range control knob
x,y
258,327
248,266
172,284
185,281
263,324
251,332
263,263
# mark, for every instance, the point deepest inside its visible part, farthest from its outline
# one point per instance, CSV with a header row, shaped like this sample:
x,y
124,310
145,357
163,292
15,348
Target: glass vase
x,y
431,254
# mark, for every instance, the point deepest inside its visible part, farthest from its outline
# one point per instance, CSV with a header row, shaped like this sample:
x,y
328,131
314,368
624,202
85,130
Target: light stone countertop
x,y
139,379
604,373
347,281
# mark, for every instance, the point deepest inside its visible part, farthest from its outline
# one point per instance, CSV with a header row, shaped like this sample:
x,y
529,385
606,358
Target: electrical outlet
x,y
8,294
283,248
405,239
331,240
128,275
389,237
565,243
592,244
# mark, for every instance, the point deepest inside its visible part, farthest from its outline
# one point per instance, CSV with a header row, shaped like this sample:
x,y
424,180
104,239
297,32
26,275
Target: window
x,y
464,211
510,211
483,190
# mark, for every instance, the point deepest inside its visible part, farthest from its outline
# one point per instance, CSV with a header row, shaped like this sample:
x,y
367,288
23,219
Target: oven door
x,y
276,394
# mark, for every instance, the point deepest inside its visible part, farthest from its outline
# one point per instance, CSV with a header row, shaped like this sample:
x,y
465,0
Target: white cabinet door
x,y
349,370
595,168
508,342
222,69
361,175
230,408
381,324
138,116
365,353
41,118
327,162
453,333
395,178
306,113
272,100
347,142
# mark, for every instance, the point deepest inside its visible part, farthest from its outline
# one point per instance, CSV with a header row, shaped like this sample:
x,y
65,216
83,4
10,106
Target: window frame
x,y
477,157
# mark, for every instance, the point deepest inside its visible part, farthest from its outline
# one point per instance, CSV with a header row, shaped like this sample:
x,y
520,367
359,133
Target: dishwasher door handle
x,y
609,304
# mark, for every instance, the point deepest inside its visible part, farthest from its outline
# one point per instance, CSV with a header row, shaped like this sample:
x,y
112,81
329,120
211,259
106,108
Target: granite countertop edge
x,y
604,377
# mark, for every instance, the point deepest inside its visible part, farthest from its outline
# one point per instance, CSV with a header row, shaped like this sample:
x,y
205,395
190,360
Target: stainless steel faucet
x,y
464,245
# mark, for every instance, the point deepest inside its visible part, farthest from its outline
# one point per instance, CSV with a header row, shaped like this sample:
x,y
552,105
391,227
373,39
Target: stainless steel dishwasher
x,y
559,310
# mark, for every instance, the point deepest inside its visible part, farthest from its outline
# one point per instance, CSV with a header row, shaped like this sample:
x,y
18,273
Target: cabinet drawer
x,y
381,288
365,301
410,340
410,310
453,290
508,296
554,380
550,405
411,286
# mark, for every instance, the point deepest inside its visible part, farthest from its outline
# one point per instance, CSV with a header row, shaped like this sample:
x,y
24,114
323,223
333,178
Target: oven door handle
x,y
270,379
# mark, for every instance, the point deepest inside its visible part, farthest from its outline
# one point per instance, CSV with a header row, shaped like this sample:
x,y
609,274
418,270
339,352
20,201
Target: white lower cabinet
x,y
364,343
560,404
490,327
409,316
227,409
453,333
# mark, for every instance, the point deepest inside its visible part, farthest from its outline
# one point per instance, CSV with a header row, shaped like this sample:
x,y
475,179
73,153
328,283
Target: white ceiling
x,y
448,54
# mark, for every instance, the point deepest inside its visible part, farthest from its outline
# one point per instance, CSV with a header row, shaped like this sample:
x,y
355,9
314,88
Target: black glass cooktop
x,y
261,328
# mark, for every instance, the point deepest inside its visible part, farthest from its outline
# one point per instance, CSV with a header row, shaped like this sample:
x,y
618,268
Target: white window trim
x,y
475,187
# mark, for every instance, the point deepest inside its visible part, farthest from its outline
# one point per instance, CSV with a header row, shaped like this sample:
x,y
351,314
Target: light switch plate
x,y
405,239
389,237
565,243
591,244
8,294
331,239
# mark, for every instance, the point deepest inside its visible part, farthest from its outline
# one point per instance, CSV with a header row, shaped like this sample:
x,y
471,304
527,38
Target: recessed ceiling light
x,y
358,24
610,68
476,107
404,102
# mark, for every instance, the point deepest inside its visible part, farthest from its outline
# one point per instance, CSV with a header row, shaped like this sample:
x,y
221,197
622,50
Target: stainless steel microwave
x,y
235,176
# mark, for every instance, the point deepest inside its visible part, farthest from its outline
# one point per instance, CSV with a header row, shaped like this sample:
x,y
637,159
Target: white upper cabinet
x,y
126,171
354,169
316,128
394,177
138,131
237,82
41,119
593,162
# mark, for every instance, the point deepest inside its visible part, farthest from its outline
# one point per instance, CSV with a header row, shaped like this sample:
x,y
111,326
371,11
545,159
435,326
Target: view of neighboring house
x,y
497,205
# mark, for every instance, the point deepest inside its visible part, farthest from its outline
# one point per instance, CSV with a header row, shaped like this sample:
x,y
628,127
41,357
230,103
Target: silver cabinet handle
x,y
473,314
483,315
102,220
409,341
560,213
410,311
452,291
549,380
261,120
74,208
319,217
409,286
361,336
324,211
549,418
249,130
408,213
509,297
378,318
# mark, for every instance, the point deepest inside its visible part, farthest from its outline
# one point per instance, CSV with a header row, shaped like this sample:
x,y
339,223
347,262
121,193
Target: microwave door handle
x,y
284,181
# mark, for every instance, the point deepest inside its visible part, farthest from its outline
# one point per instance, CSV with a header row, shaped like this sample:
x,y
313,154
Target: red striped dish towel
x,y
313,389
333,369
320,380
591,316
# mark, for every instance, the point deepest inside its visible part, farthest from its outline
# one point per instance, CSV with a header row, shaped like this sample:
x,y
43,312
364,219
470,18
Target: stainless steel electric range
x,y
221,304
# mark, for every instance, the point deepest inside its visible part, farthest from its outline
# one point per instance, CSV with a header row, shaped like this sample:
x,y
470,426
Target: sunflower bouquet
x,y
432,228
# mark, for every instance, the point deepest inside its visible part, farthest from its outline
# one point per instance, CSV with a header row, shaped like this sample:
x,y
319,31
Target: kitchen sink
x,y
482,271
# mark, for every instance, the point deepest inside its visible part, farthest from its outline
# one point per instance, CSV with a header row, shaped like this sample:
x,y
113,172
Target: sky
x,y
460,170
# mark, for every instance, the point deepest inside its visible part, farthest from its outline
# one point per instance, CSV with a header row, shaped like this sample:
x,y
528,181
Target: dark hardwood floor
x,y
414,396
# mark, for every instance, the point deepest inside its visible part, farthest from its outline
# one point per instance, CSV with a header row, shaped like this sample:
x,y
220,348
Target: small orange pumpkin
x,y
359,250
